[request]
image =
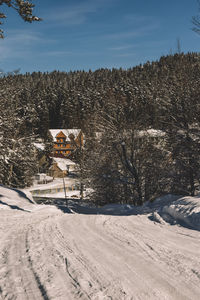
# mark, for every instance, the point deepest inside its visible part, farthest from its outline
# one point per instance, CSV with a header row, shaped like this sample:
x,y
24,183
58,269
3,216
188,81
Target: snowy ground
x,y
57,182
55,188
118,253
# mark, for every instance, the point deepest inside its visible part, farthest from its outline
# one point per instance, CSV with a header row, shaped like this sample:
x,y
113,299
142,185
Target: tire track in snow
x,y
82,278
37,278
166,255
48,262
89,279
106,244
65,257
20,279
51,263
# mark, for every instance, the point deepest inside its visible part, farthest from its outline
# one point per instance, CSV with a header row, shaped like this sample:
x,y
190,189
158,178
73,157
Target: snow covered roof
x,y
39,146
62,163
67,132
60,134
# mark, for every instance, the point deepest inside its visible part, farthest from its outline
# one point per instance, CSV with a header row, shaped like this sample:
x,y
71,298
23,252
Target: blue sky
x,y
93,34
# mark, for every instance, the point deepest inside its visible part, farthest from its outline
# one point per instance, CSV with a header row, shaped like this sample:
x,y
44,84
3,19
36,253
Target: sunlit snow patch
x,y
15,199
185,210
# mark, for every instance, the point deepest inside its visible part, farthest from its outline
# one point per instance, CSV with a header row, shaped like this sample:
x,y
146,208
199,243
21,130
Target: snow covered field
x,y
119,253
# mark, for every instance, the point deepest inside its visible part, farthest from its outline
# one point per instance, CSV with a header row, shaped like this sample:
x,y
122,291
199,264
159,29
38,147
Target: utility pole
x,y
178,45
81,172
64,186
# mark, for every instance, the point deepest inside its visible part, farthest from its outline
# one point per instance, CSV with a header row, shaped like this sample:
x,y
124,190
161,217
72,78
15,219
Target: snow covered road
x,y
46,254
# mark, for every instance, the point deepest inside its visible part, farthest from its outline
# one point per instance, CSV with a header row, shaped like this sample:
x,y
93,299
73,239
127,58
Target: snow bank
x,y
15,199
120,209
162,201
185,210
169,208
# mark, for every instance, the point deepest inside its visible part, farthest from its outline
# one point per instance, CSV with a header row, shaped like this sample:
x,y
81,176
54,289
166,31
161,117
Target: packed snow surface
x,y
116,252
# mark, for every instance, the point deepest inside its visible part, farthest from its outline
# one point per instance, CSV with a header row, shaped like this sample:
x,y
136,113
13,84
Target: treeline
x,y
119,162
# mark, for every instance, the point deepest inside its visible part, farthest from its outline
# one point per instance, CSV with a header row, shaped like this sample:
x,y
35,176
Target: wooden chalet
x,y
66,141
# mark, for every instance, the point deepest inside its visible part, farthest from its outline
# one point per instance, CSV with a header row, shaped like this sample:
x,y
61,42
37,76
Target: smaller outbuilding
x,y
61,167
42,178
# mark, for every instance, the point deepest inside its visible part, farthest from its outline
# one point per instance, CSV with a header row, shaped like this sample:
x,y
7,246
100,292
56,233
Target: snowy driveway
x,y
46,254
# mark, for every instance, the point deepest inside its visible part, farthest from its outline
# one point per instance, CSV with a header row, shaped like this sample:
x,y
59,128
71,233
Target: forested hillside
x,y
58,99
162,95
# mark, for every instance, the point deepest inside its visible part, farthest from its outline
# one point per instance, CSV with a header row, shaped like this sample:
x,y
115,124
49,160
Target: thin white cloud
x,y
22,37
75,53
130,54
21,44
138,32
58,53
121,47
135,18
26,37
74,15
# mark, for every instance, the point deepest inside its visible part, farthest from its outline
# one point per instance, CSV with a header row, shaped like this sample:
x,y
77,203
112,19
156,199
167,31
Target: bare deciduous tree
x,y
196,21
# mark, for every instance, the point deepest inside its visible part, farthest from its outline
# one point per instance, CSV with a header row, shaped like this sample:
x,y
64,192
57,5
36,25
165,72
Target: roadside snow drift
x,y
186,210
116,252
15,199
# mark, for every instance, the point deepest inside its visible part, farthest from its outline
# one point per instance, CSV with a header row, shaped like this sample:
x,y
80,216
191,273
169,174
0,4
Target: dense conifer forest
x,y
119,105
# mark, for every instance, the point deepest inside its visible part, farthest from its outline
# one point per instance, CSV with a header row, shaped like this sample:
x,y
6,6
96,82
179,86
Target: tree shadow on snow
x,y
20,193
13,206
75,206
